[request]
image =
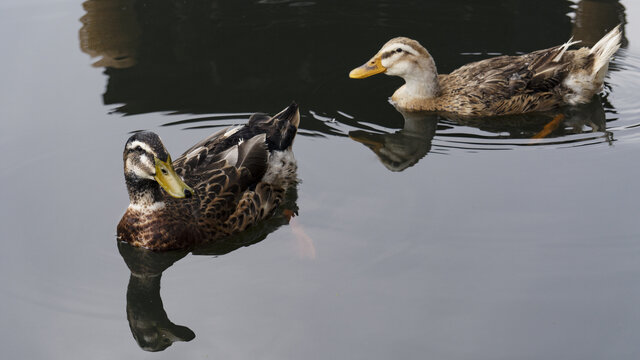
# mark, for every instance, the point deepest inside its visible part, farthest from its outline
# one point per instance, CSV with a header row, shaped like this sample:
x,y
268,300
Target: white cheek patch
x,y
138,171
399,68
145,160
386,62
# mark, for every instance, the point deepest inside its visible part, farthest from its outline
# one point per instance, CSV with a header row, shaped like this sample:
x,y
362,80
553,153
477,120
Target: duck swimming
x,y
539,81
220,186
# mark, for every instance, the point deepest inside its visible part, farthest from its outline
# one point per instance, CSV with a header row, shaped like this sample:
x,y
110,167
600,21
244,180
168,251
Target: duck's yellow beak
x,y
170,181
371,67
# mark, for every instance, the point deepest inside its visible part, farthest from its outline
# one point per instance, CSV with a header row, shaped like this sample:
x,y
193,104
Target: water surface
x,y
416,236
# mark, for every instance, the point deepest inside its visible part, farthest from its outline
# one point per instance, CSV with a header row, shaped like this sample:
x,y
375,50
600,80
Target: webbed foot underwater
x,y
220,186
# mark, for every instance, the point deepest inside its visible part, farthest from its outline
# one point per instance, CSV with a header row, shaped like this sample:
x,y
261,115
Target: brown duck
x,y
538,81
220,186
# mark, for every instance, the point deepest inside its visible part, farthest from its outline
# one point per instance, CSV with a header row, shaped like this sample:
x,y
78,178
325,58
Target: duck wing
x,y
507,84
228,144
506,76
217,152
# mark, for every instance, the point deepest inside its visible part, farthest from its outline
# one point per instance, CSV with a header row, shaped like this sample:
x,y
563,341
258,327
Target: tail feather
x,y
563,48
604,49
280,129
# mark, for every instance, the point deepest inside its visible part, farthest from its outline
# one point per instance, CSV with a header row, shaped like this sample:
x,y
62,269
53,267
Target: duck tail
x,y
280,129
603,51
563,48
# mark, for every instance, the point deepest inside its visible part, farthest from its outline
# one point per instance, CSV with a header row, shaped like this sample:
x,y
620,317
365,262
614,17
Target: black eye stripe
x,y
391,52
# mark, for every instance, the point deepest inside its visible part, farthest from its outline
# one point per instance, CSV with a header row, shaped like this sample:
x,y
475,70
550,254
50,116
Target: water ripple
x,y
622,90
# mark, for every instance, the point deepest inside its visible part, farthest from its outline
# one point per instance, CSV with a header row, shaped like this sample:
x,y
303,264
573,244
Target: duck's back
x,y
508,84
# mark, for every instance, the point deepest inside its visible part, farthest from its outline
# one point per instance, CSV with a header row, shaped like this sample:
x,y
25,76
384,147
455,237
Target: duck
x,y
220,186
539,81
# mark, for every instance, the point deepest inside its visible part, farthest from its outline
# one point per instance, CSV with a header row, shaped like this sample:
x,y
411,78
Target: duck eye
x,y
398,50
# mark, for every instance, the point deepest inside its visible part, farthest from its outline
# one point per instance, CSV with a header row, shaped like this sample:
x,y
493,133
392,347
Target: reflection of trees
x,y
110,29
211,56
148,321
594,18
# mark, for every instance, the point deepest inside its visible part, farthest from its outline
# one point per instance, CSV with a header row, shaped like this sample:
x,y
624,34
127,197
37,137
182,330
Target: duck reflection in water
x,y
148,321
151,327
404,148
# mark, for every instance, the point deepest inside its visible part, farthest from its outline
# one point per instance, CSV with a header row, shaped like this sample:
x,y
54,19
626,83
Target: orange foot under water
x,y
549,127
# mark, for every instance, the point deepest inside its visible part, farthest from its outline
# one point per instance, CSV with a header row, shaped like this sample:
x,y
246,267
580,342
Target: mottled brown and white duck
x,y
220,186
539,81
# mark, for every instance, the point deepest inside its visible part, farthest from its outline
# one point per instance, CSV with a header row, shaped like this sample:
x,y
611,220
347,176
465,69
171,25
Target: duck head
x,y
408,59
147,167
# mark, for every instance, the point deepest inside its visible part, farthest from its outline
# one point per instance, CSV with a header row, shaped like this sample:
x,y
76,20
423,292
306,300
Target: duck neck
x,y
423,88
422,83
143,193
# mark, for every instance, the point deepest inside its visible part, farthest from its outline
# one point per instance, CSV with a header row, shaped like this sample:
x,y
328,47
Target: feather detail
x,y
253,155
227,172
564,47
604,49
504,85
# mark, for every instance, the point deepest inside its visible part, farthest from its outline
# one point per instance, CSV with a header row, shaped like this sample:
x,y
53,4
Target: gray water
x,y
457,240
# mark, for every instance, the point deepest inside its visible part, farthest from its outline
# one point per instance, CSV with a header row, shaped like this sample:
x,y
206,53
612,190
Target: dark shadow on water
x,y
593,18
149,323
217,62
210,56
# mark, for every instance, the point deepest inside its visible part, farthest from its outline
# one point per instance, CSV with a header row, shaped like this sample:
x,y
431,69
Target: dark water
x,y
417,236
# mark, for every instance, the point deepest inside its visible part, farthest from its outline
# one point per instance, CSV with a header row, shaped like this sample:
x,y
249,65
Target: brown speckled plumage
x,y
226,173
503,85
